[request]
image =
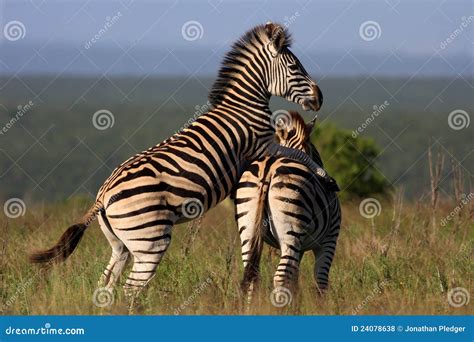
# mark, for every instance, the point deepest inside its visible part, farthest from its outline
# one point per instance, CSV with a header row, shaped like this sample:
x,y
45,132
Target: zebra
x,y
280,201
195,169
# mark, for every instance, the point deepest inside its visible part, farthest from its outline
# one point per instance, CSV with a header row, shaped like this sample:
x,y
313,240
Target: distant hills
x,y
55,59
50,148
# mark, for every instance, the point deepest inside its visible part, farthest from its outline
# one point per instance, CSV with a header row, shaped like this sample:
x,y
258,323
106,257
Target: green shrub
x,y
351,161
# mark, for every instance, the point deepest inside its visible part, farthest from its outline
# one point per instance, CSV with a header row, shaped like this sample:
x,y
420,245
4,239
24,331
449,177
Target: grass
x,y
378,269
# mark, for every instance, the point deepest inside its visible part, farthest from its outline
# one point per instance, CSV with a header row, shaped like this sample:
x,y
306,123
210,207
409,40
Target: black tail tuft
x,y
64,248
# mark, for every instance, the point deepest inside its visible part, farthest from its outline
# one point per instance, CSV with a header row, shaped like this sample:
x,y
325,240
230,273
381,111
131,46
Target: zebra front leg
x,y
147,250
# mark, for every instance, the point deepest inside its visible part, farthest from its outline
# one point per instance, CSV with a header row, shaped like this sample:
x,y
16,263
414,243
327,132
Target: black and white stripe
x,y
282,202
198,167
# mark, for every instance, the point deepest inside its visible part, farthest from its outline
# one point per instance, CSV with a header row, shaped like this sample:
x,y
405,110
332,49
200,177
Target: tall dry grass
x,y
395,263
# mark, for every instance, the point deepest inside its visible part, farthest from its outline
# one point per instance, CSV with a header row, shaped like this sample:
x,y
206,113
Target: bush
x,y
351,161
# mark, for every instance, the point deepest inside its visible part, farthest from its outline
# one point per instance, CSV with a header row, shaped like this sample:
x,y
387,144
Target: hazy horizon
x,y
332,38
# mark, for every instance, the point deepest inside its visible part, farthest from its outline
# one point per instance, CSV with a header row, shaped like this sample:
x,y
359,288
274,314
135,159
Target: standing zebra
x,y
282,202
194,170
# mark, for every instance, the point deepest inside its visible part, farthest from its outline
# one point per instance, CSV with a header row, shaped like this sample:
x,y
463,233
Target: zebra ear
x,y
281,130
280,127
277,37
310,126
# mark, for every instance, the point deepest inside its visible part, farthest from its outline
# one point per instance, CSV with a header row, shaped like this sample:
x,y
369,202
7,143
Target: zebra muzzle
x,y
315,101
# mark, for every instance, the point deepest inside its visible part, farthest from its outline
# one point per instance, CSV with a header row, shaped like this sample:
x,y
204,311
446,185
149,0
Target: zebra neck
x,y
253,118
290,152
240,90
277,150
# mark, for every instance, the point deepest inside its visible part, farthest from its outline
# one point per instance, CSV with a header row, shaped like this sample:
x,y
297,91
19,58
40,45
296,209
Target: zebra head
x,y
260,65
287,76
295,133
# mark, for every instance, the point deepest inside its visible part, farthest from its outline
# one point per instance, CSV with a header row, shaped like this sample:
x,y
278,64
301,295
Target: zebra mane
x,y
257,36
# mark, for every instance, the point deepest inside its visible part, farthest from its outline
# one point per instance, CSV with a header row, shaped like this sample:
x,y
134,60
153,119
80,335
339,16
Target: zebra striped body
x,y
280,201
198,167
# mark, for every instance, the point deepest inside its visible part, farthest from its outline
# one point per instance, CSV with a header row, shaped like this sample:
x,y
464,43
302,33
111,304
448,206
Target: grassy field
x,y
379,268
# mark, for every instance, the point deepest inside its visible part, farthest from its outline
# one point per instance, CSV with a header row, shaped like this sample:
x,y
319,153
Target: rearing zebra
x,y
279,200
198,167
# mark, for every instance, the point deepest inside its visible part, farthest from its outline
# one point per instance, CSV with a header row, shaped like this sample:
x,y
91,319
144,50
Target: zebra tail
x,y
256,246
68,241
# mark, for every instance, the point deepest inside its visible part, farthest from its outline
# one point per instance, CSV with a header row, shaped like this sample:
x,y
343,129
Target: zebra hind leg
x,y
285,280
251,255
118,260
323,256
251,278
147,251
114,269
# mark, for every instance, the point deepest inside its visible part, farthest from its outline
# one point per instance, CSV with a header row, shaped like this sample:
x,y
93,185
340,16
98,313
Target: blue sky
x,y
405,29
